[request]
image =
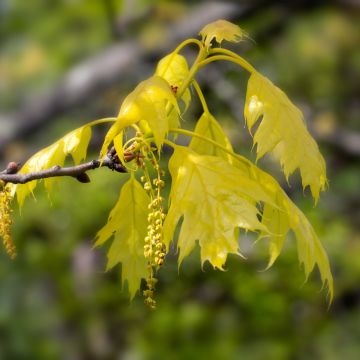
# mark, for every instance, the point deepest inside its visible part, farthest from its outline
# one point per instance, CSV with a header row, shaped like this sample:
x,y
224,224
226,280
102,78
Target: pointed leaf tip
x,y
127,226
282,131
214,198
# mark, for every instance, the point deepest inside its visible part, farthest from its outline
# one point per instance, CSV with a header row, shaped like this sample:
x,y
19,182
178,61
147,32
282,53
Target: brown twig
x,y
78,171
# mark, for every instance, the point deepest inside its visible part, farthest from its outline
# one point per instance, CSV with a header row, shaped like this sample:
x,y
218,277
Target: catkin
x,y
154,248
6,221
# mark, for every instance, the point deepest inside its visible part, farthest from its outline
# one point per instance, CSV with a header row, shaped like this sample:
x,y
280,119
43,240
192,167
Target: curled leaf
x,y
149,103
174,69
221,30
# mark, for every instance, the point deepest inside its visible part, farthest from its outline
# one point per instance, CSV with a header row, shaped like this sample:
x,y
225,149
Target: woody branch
x,y
111,161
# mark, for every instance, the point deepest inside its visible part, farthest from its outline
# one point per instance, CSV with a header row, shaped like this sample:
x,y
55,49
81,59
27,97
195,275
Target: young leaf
x,y
118,144
221,30
115,130
214,199
283,131
74,143
284,217
43,159
280,219
127,224
174,69
77,142
208,127
148,102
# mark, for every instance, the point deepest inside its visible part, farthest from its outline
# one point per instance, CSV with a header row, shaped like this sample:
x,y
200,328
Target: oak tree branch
x,y
77,171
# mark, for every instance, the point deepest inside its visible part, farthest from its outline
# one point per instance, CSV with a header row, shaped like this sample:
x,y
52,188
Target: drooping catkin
x,y
154,248
6,220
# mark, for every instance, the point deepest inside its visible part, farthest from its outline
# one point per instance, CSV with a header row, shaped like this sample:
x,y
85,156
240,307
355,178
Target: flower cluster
x,y
154,248
5,220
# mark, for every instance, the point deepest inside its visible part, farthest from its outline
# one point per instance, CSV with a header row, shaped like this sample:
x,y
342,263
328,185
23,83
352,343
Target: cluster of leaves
x,y
214,192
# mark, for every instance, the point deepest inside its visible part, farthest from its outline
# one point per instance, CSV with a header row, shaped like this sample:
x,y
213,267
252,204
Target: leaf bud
x,y
12,167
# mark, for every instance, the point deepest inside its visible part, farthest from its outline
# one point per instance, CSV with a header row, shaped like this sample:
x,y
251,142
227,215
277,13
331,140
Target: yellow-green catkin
x,y
6,221
154,248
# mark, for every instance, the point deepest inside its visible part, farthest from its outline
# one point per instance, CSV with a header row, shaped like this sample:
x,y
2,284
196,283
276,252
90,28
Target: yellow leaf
x,y
57,158
127,225
221,30
282,130
114,131
44,159
23,190
174,69
283,217
148,102
214,199
279,217
74,143
118,144
208,126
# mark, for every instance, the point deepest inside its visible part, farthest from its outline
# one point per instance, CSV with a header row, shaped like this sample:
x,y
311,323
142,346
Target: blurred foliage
x,y
57,302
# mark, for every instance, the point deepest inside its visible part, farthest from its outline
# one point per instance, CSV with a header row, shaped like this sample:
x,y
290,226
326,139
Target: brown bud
x,y
12,167
83,178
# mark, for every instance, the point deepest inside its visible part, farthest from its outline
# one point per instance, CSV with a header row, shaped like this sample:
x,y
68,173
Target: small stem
x,y
136,128
245,64
102,121
134,139
237,61
193,70
188,42
201,96
169,142
193,134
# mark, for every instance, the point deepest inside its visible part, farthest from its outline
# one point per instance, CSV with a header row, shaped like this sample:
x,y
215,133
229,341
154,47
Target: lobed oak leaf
x,y
286,217
282,131
279,220
214,199
74,143
127,226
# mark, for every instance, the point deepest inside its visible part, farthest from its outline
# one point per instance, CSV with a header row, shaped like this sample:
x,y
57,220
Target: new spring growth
x,y
154,248
5,220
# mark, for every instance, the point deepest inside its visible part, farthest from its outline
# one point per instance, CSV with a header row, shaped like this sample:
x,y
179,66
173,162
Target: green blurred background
x,y
66,62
